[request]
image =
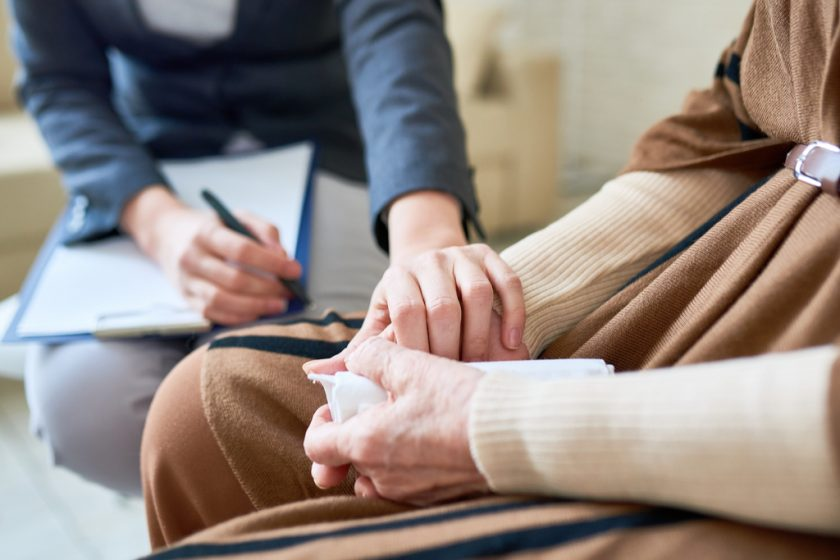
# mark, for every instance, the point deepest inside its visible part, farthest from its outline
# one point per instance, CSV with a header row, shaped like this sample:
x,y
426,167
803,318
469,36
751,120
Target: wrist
x,y
143,214
422,221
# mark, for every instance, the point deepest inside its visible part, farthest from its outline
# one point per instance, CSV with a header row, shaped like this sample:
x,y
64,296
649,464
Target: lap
x,y
259,402
239,408
493,527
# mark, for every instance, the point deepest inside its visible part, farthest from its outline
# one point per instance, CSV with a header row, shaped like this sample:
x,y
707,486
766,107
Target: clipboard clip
x,y
156,320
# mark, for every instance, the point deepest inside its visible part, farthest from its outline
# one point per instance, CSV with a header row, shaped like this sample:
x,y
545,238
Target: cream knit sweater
x,y
745,439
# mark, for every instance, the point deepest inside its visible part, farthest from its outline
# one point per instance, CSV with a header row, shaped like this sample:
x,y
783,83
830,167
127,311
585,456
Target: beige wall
x,y
7,100
624,65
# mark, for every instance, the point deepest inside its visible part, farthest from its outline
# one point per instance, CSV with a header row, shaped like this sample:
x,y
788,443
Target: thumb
x,y
371,327
328,365
392,367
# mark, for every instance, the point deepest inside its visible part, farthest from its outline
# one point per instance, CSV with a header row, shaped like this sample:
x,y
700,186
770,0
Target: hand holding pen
x,y
229,220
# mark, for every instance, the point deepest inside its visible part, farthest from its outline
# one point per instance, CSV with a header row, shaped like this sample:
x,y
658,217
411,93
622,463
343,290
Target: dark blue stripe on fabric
x,y
549,536
697,233
733,69
210,550
720,70
524,539
328,319
301,347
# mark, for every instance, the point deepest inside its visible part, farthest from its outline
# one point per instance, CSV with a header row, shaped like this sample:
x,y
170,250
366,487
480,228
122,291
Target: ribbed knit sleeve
x,y
747,439
573,266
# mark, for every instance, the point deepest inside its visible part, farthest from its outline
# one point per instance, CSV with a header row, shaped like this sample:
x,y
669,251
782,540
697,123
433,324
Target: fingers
x,y
231,278
389,335
477,297
266,232
219,317
324,476
228,245
406,309
509,287
323,443
227,308
364,488
328,477
443,309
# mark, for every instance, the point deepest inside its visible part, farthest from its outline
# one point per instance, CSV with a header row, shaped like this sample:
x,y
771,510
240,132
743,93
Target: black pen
x,y
231,222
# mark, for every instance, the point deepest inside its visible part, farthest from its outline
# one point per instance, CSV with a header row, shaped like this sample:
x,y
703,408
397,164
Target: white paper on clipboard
x,y
109,288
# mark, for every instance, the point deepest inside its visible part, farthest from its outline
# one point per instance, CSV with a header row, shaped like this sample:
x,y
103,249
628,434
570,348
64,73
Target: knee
x,y
187,482
90,418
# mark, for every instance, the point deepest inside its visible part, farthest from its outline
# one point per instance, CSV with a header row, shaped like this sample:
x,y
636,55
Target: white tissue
x,y
349,394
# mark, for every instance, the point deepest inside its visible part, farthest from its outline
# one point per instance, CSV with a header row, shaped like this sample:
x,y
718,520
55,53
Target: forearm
x,y
144,212
424,220
400,69
571,267
748,439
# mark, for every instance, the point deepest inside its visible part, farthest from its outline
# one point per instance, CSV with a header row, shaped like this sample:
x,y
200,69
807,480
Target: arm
x,y
574,265
401,74
747,439
750,439
65,84
433,297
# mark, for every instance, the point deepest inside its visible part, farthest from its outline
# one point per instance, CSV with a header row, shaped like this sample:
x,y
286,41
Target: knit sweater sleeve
x,y
749,439
571,267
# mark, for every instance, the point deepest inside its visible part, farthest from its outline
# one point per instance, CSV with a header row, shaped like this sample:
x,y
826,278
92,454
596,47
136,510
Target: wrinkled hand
x,y
231,279
442,302
413,448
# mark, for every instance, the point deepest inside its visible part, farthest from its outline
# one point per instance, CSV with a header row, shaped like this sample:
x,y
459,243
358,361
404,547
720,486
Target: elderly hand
x,y
413,448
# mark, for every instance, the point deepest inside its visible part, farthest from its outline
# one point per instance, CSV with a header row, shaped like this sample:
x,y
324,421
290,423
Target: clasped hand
x,y
414,448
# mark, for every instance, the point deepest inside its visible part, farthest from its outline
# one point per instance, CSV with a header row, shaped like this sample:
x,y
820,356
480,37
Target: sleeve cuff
x,y
451,182
94,212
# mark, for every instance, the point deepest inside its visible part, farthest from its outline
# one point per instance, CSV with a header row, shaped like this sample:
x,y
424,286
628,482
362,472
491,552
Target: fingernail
x,y
278,306
514,338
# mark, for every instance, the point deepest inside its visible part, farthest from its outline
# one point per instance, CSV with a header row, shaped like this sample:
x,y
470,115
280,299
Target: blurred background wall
x,y
623,64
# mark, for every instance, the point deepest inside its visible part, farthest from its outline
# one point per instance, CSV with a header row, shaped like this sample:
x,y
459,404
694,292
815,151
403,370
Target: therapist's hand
x,y
437,295
414,448
442,303
231,279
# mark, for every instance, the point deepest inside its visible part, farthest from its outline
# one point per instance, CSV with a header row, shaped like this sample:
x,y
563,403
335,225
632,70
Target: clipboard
x,y
109,289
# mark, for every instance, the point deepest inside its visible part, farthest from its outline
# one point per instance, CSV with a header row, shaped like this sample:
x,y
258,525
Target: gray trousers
x,y
88,400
